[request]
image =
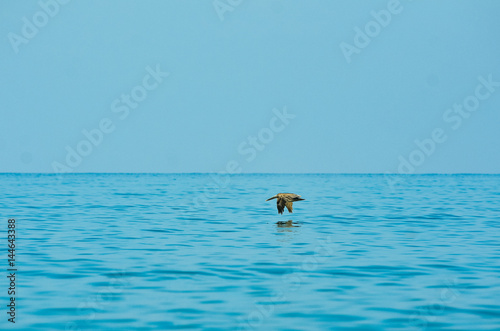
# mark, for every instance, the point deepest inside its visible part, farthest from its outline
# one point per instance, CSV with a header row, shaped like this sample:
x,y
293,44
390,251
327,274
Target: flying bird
x,y
285,200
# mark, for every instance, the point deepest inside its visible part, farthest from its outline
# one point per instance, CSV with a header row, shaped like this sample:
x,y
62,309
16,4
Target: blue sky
x,y
183,86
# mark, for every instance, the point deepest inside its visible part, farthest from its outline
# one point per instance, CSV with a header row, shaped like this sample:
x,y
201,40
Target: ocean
x,y
205,252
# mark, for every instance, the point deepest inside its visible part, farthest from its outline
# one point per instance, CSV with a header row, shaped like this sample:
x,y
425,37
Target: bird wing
x,y
281,205
291,197
289,206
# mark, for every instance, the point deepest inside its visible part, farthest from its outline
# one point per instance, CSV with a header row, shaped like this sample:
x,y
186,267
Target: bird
x,y
285,200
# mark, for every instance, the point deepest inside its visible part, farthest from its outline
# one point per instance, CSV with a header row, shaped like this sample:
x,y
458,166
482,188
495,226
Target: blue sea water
x,y
204,252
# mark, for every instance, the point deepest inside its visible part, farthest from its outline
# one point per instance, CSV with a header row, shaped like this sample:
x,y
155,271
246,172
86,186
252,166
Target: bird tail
x,y
272,198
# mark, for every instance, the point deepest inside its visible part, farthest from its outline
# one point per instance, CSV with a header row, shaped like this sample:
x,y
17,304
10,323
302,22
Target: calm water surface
x,y
168,252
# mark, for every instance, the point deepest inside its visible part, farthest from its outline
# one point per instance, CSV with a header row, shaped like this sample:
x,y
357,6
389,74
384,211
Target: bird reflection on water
x,y
289,229
287,224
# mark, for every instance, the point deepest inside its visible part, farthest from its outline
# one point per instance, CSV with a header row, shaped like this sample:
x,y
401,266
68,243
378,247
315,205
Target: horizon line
x,y
250,173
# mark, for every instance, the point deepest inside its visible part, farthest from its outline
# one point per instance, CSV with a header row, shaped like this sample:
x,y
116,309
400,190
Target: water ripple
x,y
132,252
